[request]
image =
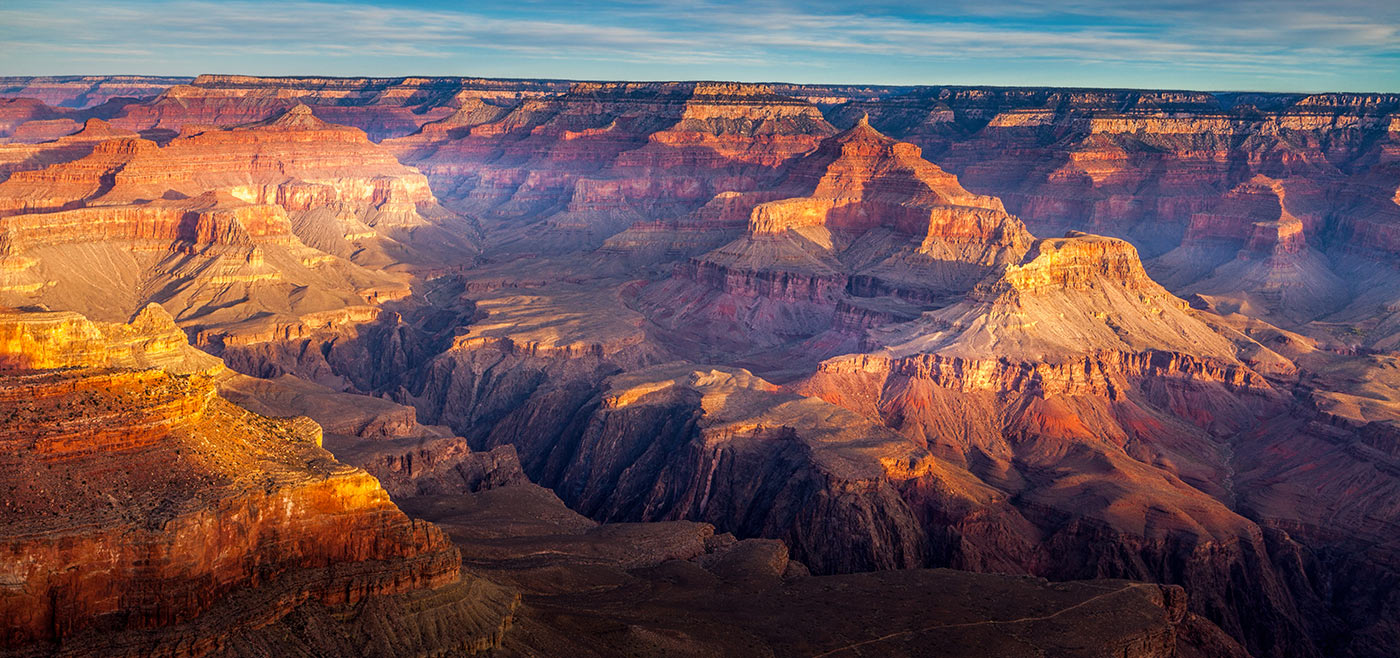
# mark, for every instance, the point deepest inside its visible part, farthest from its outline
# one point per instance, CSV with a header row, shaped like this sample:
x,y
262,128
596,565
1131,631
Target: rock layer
x,y
144,515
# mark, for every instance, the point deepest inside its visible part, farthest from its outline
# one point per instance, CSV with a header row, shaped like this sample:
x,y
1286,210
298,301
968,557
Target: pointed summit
x,y
297,117
1068,298
862,131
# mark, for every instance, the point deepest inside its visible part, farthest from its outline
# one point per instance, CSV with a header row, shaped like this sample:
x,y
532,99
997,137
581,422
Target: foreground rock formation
x,y
145,515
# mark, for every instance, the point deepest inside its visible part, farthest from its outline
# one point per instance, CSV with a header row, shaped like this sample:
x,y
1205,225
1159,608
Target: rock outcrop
x,y
348,196
595,160
145,515
70,145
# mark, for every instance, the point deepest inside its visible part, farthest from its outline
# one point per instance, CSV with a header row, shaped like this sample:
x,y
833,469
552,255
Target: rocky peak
x,y
98,129
863,134
297,117
861,178
1076,261
1069,297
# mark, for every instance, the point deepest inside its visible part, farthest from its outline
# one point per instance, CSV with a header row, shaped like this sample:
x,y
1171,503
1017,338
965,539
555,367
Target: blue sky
x,y
1278,45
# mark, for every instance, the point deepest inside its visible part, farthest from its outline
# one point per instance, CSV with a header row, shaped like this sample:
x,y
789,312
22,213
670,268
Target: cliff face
x,y
382,107
1159,169
683,586
144,515
69,145
1252,250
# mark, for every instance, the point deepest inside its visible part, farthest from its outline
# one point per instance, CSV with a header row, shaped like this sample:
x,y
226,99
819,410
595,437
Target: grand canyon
x,y
429,366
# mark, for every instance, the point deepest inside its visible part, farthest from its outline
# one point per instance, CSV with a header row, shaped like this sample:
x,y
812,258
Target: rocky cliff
x,y
144,515
348,195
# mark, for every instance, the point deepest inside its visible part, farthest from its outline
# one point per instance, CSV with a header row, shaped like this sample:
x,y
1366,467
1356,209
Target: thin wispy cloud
x,y
1174,43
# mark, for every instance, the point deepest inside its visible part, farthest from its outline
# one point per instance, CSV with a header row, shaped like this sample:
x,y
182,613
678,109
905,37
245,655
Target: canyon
x,y
538,367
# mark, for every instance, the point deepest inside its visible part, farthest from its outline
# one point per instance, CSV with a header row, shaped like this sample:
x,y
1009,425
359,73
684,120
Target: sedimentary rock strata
x,y
145,515
251,231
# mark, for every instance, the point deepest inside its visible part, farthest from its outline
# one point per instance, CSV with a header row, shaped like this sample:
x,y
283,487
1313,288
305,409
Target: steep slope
x,y
144,515
230,268
1090,396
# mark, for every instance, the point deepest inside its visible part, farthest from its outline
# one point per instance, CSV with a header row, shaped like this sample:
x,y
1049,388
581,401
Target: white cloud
x,y
1248,39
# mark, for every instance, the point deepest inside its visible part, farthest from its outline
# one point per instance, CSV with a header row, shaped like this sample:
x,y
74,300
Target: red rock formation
x,y
216,213
382,107
71,145
185,254
954,393
17,112
907,226
144,515
344,189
